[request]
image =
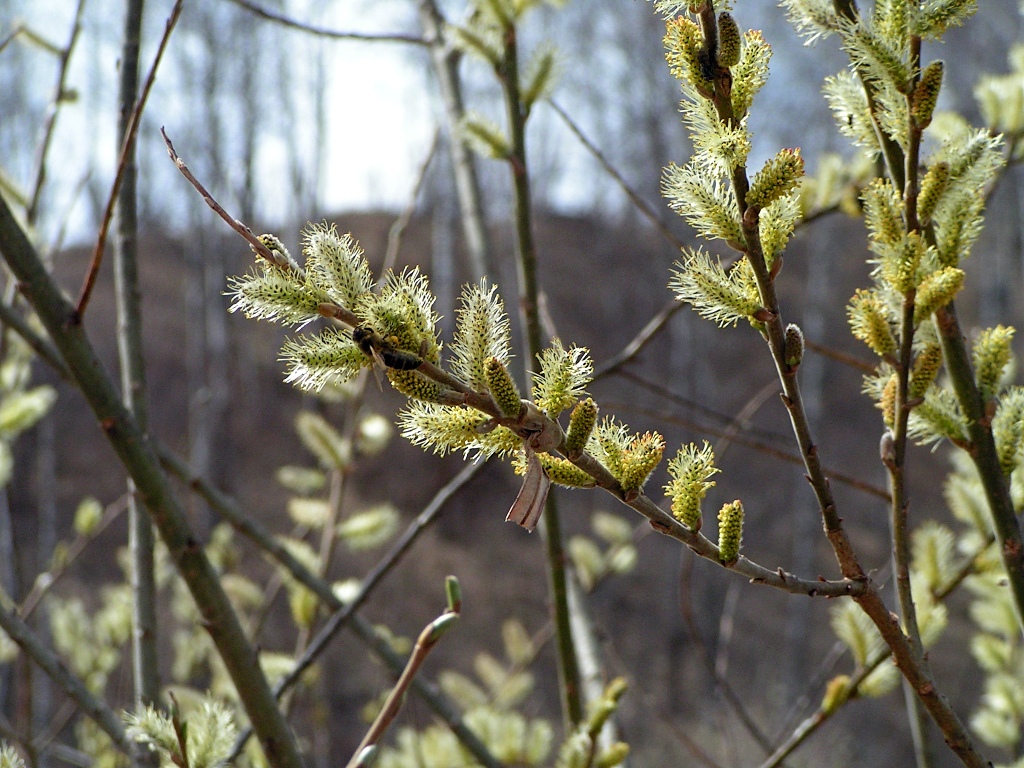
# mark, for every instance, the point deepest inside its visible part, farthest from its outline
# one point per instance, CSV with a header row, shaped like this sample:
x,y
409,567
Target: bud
x,y
415,385
936,291
581,425
992,354
277,250
794,349
453,593
777,178
933,185
887,402
640,459
728,40
730,532
88,516
614,755
503,389
869,323
926,94
926,368
836,693
565,473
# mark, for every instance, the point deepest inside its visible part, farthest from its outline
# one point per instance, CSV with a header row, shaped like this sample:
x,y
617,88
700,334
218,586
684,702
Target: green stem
x,y
133,377
568,665
136,453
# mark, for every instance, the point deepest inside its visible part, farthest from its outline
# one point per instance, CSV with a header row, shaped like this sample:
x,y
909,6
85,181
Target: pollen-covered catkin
x,y
503,389
581,425
730,532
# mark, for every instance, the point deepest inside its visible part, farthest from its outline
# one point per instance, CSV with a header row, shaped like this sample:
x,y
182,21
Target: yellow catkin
x,y
728,40
926,94
581,425
730,532
503,389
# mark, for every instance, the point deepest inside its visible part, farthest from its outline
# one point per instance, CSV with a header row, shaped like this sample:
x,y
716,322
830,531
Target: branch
x,y
632,349
634,197
57,671
428,638
129,133
313,29
400,224
132,446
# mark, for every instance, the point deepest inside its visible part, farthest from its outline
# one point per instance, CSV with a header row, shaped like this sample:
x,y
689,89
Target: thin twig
x,y
32,211
313,29
632,349
56,670
47,581
425,643
127,147
641,205
400,224
841,357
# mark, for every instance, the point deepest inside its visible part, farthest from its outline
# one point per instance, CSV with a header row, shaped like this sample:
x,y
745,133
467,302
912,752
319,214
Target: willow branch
x,y
445,61
639,203
638,342
132,446
56,670
313,29
129,132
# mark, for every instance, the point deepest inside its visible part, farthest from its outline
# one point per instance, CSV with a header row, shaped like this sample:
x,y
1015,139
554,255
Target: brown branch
x,y
130,135
632,349
634,197
839,356
313,29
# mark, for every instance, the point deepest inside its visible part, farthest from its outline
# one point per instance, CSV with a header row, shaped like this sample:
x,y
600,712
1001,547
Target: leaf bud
x,y
277,250
992,354
777,178
836,693
639,460
869,322
936,291
453,593
728,40
88,516
581,425
933,185
926,368
615,754
417,386
503,389
887,402
926,94
794,348
730,532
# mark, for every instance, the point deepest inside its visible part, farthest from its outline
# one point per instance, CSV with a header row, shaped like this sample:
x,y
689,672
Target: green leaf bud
x,y
614,755
926,368
639,459
684,42
869,322
565,473
887,402
323,440
992,353
439,626
899,269
453,593
728,40
417,386
794,346
502,388
303,603
691,471
88,516
926,94
777,178
837,691
936,291
933,185
581,425
730,532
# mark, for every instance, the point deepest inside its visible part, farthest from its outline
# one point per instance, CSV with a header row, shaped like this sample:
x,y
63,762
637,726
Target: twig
x,y
634,197
135,451
45,582
127,148
840,357
41,346
632,349
428,638
313,29
467,183
64,54
57,671
400,224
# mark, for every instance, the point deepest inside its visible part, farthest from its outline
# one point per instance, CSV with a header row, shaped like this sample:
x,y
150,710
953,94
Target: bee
x,y
383,352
